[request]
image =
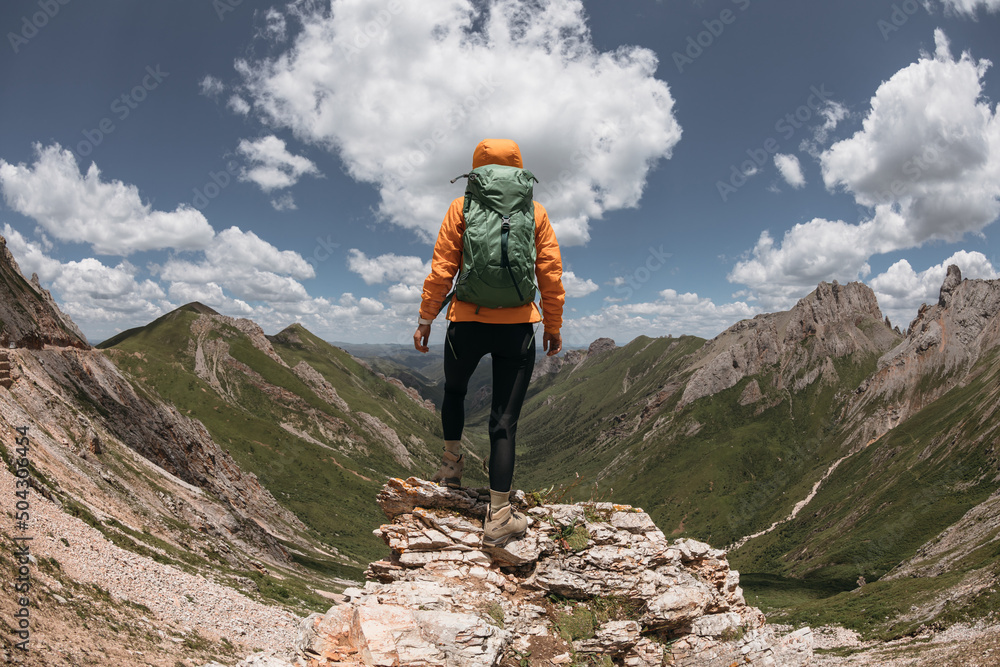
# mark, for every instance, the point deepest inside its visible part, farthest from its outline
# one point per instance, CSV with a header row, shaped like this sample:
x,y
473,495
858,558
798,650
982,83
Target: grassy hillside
x,y
877,509
329,473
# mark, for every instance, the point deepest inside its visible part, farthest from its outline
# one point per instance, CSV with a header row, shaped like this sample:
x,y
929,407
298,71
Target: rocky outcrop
x,y
29,317
833,321
320,385
545,365
945,342
591,581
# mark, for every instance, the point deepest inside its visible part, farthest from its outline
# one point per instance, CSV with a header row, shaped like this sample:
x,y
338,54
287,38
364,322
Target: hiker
x,y
495,317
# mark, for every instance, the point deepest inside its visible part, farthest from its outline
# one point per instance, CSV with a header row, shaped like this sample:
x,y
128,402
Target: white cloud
x,y
403,93
672,313
790,169
927,161
272,167
247,266
211,86
285,202
577,287
401,293
810,252
98,297
239,105
969,7
408,270
929,149
80,208
901,290
275,27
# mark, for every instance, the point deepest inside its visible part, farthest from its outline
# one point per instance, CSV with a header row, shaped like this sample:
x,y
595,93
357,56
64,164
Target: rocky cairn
x,y
590,584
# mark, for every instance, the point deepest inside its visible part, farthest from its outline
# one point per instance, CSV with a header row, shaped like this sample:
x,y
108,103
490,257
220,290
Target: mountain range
x,y
850,468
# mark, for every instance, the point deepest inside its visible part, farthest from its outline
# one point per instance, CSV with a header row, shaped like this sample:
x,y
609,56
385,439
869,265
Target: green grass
x,y
330,488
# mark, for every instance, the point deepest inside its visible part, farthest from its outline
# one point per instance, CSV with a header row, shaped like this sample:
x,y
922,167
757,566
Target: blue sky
x,y
701,161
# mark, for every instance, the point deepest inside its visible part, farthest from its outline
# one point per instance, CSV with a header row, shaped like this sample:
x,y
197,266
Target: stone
x,y
440,599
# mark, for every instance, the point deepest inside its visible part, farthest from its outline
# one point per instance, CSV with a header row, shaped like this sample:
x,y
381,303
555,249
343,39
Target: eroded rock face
x,y
443,599
833,322
945,341
29,317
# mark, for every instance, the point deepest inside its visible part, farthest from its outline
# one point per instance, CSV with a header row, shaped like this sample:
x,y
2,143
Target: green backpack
x,y
498,246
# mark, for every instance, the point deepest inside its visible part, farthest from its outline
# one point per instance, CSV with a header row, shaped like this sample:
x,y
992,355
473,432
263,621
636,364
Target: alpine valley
x,y
195,487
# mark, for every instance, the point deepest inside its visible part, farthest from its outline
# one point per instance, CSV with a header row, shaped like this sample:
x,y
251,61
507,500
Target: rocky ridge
x,y
833,321
29,317
945,341
590,580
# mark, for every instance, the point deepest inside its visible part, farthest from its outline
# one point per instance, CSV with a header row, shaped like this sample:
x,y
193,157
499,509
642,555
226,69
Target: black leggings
x,y
512,347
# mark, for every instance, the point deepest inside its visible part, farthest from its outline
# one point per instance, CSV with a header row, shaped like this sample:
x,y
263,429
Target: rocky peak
x,y
831,305
597,581
833,321
601,345
945,341
29,317
951,281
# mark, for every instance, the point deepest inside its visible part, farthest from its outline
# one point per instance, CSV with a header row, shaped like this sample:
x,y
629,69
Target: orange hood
x,y
497,151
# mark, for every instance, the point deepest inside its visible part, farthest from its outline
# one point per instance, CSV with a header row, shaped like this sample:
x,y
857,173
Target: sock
x,y
499,500
453,447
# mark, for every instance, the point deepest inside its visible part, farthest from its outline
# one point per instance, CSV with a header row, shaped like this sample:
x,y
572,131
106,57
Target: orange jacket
x,y
447,259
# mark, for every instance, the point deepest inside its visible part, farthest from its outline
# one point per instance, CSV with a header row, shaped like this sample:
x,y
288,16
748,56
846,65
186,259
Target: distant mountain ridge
x,y
863,462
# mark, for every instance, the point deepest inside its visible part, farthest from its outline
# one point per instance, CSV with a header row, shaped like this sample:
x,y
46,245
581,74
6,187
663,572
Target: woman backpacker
x,y
499,242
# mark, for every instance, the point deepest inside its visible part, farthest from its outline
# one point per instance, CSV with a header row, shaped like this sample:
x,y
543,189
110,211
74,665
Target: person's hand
x,y
421,336
551,343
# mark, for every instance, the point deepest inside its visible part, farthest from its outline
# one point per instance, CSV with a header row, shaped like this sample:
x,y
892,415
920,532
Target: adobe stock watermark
x,y
786,126
223,7
372,31
322,251
217,182
899,16
699,43
632,282
456,117
30,25
122,107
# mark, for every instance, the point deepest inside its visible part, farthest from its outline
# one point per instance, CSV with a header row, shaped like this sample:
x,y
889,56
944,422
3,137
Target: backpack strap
x,y
504,260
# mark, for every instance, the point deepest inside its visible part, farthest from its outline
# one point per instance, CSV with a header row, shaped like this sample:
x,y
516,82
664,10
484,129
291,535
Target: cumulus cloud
x,y
239,105
388,268
809,252
247,266
402,93
577,287
790,169
901,290
672,313
929,149
969,7
272,166
926,163
81,208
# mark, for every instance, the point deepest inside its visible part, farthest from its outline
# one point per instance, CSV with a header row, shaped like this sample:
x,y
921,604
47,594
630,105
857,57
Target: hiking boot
x,y
450,472
502,526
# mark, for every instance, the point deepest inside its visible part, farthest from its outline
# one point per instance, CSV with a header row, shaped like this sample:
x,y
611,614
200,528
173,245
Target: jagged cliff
x,y
28,315
943,349
832,322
